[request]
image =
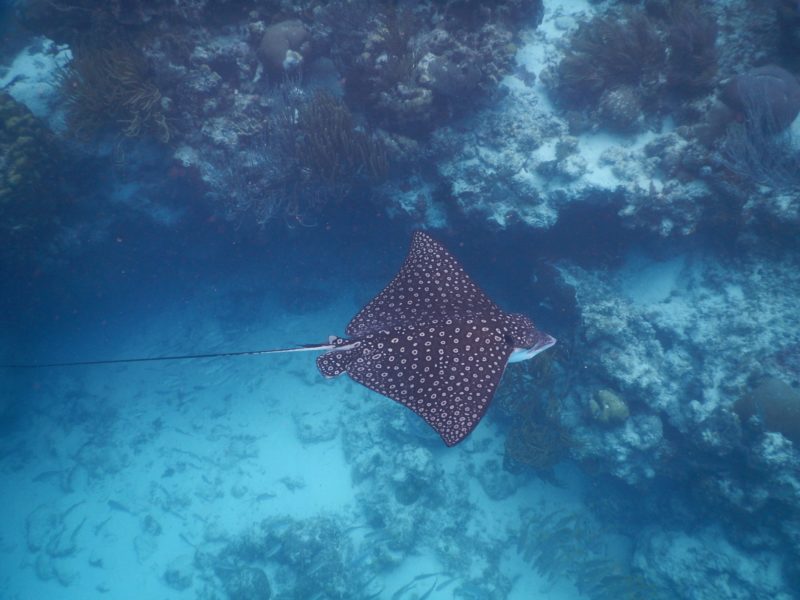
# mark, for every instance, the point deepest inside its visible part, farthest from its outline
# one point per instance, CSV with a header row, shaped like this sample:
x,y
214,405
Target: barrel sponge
x,y
776,403
769,96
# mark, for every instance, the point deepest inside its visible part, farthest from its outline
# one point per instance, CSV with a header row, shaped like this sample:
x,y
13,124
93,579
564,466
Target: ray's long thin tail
x,y
80,363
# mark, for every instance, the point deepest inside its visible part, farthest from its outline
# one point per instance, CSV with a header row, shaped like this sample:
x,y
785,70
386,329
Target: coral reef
x,y
759,153
670,348
311,557
442,73
704,565
787,15
413,69
691,37
688,362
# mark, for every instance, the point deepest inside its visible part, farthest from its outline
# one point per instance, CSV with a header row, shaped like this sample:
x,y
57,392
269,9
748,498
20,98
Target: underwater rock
x,y
539,444
777,405
39,525
415,468
150,525
414,69
44,568
55,533
704,565
316,427
306,558
721,434
776,453
608,408
246,583
65,575
680,201
144,546
179,573
777,462
643,432
497,482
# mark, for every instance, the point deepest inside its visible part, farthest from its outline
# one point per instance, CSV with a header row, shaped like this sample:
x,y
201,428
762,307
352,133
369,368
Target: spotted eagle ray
x,y
433,341
430,340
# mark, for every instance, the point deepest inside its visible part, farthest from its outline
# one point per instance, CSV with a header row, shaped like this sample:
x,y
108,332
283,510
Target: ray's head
x,y
525,338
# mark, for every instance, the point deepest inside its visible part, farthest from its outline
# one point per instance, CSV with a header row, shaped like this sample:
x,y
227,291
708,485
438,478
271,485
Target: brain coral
x,y
284,46
776,403
29,179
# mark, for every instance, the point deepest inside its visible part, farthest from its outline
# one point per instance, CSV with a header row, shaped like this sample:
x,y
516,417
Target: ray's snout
x,y
542,341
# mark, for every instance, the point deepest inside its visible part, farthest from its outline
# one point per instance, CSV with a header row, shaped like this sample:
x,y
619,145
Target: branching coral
x,y
328,145
538,445
314,152
569,545
107,86
760,159
537,438
692,62
606,53
759,150
651,58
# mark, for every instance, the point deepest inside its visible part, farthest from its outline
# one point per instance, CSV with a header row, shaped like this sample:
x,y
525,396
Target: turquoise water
x,y
182,178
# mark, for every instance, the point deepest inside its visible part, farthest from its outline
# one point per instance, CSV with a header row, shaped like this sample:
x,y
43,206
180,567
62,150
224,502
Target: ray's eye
x,y
509,339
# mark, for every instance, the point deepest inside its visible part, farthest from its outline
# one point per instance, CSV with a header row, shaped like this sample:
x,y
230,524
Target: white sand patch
x,y
597,149
31,79
135,467
648,281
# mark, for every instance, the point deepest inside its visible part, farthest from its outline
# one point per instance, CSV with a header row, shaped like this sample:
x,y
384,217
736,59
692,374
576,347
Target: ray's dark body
x,y
433,341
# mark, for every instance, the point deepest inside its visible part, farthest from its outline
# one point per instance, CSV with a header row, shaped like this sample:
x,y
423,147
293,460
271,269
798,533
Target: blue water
x,y
122,474
647,225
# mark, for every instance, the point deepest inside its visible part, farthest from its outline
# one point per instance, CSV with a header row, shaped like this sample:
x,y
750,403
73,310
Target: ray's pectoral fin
x,y
335,362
